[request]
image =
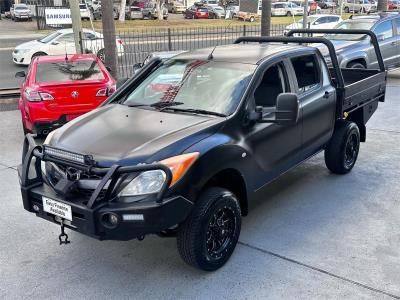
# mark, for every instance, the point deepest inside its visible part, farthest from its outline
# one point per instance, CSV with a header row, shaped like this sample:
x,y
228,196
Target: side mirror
x,y
287,109
137,67
381,37
20,74
316,23
55,43
121,81
108,69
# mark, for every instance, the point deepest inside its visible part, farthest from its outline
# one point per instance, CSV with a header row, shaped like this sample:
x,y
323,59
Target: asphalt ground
x,y
314,235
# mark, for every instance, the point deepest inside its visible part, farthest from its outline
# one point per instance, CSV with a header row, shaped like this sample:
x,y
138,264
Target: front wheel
x,y
342,150
209,235
289,14
252,19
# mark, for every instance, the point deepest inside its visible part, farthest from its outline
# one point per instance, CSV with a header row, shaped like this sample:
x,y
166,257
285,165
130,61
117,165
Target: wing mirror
x,y
20,74
285,113
381,37
55,43
137,67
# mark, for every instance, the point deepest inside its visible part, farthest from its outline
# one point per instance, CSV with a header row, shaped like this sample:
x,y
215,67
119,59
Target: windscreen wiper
x,y
195,111
159,104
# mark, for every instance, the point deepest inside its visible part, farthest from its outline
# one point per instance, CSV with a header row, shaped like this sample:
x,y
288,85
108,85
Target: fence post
x,y
169,40
37,17
244,30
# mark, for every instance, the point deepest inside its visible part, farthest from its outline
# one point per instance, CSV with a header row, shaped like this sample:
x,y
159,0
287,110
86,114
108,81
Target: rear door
x,y
317,99
397,46
387,43
73,85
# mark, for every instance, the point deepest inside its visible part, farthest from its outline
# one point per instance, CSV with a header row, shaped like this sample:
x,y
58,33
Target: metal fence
x,y
137,45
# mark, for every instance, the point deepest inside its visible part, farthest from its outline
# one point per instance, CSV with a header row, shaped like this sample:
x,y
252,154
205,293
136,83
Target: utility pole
x,y
122,11
266,17
305,16
76,24
382,5
110,50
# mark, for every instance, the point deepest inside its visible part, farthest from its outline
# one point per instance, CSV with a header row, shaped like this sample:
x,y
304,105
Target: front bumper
x,y
156,212
21,58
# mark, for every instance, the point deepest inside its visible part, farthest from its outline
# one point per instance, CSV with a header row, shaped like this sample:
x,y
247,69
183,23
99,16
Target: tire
x,y
38,54
252,19
101,54
347,10
355,65
342,150
205,229
289,14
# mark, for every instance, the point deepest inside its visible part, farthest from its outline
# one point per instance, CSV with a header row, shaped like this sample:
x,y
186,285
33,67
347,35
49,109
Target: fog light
x,y
35,207
133,217
113,219
110,220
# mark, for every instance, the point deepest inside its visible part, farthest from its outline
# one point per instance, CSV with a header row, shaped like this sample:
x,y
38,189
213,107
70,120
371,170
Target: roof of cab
x,y
61,58
252,53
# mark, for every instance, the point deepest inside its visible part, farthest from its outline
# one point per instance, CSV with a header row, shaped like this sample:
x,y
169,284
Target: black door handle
x,y
326,95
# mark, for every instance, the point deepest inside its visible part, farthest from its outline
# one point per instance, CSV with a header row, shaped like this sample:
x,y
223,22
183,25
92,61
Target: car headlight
x,y
151,182
22,51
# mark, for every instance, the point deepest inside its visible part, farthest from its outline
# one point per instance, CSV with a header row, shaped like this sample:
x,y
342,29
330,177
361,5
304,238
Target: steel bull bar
x,y
159,213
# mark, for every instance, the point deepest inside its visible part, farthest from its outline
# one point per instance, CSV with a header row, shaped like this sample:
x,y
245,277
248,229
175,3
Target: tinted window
x,y
82,6
307,72
197,84
69,37
384,30
323,20
68,71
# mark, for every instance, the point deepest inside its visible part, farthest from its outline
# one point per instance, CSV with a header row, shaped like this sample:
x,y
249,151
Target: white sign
x,y
58,16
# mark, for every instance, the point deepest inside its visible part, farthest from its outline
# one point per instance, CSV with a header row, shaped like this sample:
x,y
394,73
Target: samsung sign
x,y
58,16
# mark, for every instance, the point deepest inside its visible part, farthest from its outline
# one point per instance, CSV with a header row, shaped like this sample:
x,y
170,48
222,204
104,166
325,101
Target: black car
x,y
183,147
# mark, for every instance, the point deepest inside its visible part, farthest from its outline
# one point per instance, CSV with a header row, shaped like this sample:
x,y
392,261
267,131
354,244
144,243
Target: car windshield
x,y
82,6
50,37
195,84
68,71
21,7
309,20
350,25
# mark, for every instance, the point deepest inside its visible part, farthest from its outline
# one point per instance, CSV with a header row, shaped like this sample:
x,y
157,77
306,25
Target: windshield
x,y
21,7
309,20
195,84
68,71
50,37
350,25
82,6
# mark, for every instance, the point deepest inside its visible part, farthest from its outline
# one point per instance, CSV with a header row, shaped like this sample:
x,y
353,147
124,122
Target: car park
x,y
62,42
286,9
355,51
316,22
176,7
20,12
358,6
185,157
216,12
196,12
60,88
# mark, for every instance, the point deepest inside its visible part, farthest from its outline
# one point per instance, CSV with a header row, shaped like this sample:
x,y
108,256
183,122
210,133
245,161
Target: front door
x,y
64,44
275,147
387,43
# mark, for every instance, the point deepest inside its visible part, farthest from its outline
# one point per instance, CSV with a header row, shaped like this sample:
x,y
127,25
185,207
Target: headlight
x,y
149,182
22,51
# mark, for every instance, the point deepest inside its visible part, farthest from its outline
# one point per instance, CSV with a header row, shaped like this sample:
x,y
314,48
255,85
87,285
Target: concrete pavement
x,y
315,235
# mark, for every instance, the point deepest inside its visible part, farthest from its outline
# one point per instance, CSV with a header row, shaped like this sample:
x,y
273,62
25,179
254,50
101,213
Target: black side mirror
x,y
121,81
137,67
55,43
20,74
108,69
287,109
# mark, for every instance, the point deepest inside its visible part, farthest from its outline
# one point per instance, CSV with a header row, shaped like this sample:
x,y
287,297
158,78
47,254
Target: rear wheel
x,y
209,235
289,14
252,19
347,10
356,65
342,150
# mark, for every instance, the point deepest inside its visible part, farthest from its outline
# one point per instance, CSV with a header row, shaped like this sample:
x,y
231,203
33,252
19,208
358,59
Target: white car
x,y
62,42
316,22
85,12
286,9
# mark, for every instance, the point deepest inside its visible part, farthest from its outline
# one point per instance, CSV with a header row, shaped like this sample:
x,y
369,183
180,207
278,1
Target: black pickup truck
x,y
183,147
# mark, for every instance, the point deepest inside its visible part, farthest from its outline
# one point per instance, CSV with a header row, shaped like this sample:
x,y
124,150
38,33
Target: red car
x,y
395,4
60,88
196,12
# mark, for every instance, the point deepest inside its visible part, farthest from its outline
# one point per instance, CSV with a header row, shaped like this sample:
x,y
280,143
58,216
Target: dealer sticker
x,y
57,208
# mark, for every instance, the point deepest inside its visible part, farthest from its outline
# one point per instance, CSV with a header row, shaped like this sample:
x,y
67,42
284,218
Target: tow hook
x,y
63,235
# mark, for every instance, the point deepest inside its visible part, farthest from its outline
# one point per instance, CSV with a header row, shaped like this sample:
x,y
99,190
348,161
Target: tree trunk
x,y
266,17
122,11
110,49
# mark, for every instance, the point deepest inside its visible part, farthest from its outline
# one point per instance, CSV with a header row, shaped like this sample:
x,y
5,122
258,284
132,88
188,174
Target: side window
x,y
384,30
323,20
397,25
69,37
307,72
273,83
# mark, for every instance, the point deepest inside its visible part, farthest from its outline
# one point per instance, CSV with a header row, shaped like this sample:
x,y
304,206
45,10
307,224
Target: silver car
x,y
286,9
356,51
358,6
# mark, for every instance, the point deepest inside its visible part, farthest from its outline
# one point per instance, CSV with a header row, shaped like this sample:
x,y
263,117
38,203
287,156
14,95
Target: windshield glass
x,y
82,6
50,37
309,20
350,25
68,71
21,7
196,84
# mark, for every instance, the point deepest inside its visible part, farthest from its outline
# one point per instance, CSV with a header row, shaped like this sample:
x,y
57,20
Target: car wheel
x,y
102,55
289,14
347,10
209,235
356,65
342,150
38,54
252,19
